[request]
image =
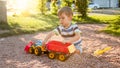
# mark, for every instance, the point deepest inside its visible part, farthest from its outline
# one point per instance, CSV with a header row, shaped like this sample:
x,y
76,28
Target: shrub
x,y
66,3
53,7
42,6
82,7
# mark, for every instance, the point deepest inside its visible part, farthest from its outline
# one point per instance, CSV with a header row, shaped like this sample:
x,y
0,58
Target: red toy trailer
x,y
58,48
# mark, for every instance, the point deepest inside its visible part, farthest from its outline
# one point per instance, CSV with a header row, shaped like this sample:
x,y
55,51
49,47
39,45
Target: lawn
x,y
96,18
34,23
30,24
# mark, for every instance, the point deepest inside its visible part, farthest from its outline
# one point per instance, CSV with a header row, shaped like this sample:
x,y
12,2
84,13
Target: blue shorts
x,y
79,47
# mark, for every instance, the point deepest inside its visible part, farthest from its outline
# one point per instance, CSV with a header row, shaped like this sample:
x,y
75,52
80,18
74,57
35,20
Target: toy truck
x,y
60,50
40,50
37,48
33,46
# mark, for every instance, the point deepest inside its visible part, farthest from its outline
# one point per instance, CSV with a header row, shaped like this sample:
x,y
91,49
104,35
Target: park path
x,y
12,53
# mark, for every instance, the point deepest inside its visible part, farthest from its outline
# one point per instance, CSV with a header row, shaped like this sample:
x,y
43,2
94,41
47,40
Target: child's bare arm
x,y
75,38
48,37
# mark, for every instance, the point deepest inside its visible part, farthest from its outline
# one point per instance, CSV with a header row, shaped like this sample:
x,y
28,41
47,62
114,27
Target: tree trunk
x,y
3,12
82,6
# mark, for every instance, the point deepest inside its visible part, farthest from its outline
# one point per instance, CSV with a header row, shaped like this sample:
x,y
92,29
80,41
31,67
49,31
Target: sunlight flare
x,y
22,6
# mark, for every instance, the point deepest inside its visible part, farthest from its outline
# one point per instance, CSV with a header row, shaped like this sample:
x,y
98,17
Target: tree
x,y
3,12
119,3
42,6
53,7
66,3
82,6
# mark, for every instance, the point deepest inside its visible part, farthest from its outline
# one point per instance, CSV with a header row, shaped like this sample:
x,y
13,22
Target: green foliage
x,y
53,7
66,3
42,6
82,7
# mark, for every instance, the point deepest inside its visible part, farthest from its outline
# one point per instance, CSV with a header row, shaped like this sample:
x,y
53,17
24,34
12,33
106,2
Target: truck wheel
x,y
31,50
51,55
62,57
38,51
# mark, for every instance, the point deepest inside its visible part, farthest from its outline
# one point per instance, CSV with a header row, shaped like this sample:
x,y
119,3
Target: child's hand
x,y
43,44
65,42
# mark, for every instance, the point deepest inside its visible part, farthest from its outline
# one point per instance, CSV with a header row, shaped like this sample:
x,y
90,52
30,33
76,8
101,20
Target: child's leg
x,y
79,49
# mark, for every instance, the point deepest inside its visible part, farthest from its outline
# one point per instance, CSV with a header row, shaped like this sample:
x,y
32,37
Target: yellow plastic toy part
x,y
51,55
100,52
71,48
61,57
38,51
31,49
43,48
107,49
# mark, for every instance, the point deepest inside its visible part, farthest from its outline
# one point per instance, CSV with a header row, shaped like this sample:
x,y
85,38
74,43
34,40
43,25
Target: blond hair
x,y
67,10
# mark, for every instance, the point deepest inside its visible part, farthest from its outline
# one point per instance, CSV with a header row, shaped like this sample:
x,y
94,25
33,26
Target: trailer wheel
x,y
38,51
51,55
62,57
31,50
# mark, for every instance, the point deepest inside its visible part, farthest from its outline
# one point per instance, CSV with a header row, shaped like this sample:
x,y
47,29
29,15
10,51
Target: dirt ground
x,y
12,53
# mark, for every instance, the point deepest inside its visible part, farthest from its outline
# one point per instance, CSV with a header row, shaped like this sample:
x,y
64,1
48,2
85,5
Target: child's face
x,y
65,20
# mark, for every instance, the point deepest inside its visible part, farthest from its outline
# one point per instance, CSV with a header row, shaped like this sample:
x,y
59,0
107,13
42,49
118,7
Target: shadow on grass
x,y
51,19
113,28
4,26
17,29
87,20
112,32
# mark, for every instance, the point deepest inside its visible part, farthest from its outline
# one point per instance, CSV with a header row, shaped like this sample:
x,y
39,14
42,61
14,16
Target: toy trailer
x,y
59,49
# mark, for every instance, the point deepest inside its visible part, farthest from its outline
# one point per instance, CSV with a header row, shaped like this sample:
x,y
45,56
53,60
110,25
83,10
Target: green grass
x,y
34,23
114,27
22,25
112,30
113,22
30,24
96,18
